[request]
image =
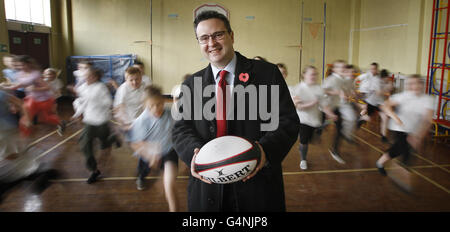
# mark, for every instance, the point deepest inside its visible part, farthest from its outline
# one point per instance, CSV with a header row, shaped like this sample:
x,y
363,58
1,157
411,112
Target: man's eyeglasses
x,y
204,39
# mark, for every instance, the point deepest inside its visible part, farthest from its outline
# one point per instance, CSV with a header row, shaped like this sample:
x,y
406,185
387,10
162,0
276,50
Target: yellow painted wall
x,y
338,22
61,36
3,32
273,34
107,27
398,49
111,27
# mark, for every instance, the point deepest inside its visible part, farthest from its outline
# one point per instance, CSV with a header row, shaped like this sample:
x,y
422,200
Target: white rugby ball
x,y
227,159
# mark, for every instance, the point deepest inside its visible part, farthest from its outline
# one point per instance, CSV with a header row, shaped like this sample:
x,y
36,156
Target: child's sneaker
x,y
140,184
303,165
93,177
336,156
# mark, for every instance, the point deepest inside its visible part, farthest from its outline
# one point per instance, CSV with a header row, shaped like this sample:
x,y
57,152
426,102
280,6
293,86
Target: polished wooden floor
x,y
325,186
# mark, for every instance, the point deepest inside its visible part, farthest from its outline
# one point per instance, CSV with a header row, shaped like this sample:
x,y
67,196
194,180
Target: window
x,y
31,11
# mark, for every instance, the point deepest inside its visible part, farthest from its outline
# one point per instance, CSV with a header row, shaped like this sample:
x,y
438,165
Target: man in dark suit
x,y
263,189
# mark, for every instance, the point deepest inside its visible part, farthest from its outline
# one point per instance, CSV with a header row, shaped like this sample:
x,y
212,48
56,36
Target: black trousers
x,y
338,135
400,146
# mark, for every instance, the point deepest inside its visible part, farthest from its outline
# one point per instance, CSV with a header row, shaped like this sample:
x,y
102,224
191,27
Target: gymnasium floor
x,y
325,186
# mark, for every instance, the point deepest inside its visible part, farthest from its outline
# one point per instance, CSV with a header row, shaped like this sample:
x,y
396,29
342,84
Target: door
x,y
31,43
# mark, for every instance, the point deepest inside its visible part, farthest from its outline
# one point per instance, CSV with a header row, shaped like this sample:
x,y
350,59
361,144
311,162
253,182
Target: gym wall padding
x,y
113,66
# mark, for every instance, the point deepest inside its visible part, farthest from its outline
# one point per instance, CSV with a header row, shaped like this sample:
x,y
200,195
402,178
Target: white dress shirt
x,y
230,68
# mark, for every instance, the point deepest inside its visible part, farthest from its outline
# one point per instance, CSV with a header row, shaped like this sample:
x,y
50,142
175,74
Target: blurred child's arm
x,y
417,137
43,87
114,84
299,104
147,152
334,92
120,115
387,107
330,114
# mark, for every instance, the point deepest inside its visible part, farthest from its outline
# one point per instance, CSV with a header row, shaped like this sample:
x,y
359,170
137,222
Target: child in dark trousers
x,y
150,137
94,106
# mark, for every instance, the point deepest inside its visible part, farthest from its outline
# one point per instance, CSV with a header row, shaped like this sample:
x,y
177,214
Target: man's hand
x,y
261,164
193,172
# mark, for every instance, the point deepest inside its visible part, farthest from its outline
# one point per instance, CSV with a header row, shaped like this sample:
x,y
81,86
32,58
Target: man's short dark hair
x,y
374,64
205,15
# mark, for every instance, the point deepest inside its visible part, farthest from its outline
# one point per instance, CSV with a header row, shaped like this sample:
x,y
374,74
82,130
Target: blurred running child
x,y
378,91
129,103
309,99
10,73
411,114
145,79
151,138
80,75
51,77
130,97
366,79
334,89
39,98
94,106
346,108
15,163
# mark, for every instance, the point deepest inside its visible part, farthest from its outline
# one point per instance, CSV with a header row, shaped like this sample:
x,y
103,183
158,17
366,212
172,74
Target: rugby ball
x,y
227,159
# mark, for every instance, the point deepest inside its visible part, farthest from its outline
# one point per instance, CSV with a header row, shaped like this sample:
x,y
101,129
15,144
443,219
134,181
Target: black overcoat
x,y
265,191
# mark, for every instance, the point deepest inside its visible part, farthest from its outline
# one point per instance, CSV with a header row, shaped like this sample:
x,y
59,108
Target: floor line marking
x,y
414,153
46,136
416,172
284,173
431,181
59,144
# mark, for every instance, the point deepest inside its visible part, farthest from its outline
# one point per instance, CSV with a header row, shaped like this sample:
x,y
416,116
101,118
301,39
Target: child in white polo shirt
x,y
309,99
128,105
145,79
334,87
410,121
130,97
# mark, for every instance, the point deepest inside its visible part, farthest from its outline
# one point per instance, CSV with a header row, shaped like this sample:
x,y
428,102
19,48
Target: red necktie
x,y
221,112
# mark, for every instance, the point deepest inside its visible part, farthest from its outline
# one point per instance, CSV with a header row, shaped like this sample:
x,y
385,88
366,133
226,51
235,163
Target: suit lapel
x,y
243,67
208,79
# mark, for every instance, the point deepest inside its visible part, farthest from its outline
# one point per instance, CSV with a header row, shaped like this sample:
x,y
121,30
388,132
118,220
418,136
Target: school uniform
x,y
343,110
265,191
94,103
157,132
411,109
131,99
366,80
40,103
311,117
335,82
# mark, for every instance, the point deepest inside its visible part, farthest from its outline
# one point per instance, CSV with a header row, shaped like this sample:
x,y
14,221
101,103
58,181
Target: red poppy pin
x,y
244,77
